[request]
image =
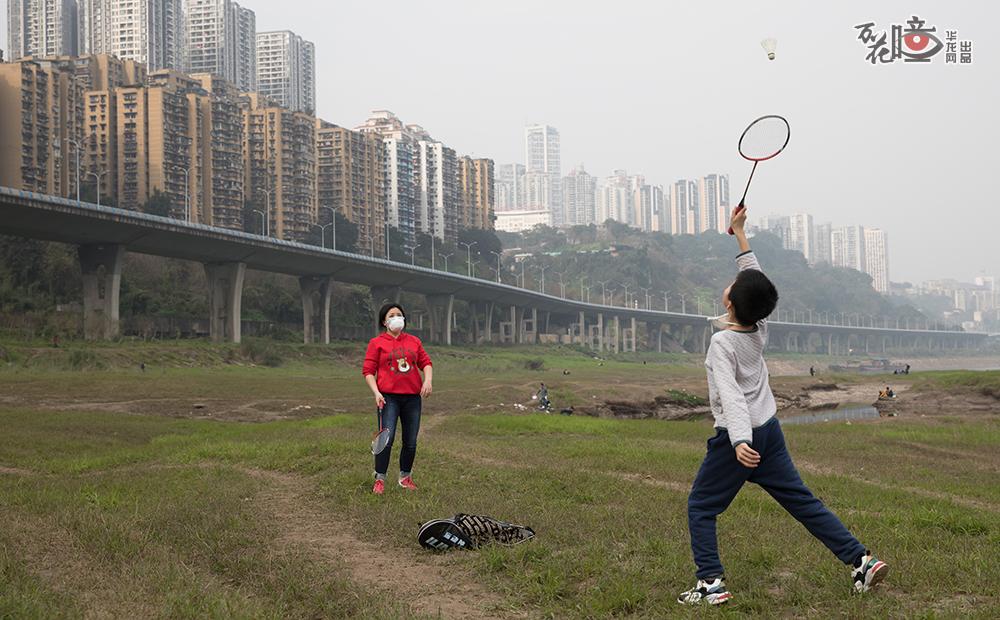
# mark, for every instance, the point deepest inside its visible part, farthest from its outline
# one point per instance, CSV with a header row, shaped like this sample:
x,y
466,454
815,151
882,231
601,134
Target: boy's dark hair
x,y
753,297
385,310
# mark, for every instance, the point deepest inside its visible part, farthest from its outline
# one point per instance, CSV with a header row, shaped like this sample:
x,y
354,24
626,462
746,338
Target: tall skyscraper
x,y
847,245
580,197
476,198
713,192
148,31
42,28
614,199
281,165
222,40
400,180
509,194
542,156
679,208
41,110
286,70
436,171
822,252
800,235
351,180
877,259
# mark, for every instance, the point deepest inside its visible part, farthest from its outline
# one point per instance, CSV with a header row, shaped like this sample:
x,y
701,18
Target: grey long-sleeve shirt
x,y
738,387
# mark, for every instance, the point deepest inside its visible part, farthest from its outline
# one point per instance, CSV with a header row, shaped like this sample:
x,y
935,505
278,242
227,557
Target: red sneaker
x,y
379,487
407,483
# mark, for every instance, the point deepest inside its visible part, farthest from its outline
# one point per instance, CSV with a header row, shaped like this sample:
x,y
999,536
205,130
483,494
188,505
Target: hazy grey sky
x,y
665,88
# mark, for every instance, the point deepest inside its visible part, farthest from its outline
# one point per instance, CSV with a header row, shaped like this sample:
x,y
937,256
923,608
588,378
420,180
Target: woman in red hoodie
x,y
391,371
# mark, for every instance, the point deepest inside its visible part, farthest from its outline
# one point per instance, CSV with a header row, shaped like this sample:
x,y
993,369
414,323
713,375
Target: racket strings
x,y
764,138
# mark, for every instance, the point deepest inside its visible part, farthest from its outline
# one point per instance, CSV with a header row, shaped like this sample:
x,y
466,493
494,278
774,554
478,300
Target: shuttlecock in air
x,y
769,45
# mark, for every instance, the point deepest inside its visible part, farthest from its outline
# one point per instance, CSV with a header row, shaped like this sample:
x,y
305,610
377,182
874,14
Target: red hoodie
x,y
394,362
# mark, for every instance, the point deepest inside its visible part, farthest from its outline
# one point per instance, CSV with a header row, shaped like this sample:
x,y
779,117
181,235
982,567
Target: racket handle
x,y
737,210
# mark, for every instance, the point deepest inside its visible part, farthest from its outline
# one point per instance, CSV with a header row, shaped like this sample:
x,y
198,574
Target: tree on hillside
x,y
158,204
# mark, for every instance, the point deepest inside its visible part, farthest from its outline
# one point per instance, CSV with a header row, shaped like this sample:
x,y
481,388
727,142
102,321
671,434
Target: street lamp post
x,y
582,278
333,222
468,249
666,304
498,255
541,269
187,192
97,183
645,291
446,257
562,285
626,287
604,294
76,147
263,220
413,253
267,210
322,233
683,305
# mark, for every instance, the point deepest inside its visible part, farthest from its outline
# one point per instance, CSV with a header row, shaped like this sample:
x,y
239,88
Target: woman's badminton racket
x,y
762,140
381,438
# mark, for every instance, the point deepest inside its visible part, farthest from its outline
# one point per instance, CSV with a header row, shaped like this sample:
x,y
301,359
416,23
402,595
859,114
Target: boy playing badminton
x,y
748,444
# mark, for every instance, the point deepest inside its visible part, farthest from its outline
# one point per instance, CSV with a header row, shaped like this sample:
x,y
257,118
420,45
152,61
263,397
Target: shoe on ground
x,y
379,487
407,483
706,592
869,572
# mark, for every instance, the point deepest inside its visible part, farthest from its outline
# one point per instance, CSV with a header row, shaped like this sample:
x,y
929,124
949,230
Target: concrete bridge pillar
x,y
101,266
440,309
600,331
616,330
489,322
225,300
632,333
583,329
315,308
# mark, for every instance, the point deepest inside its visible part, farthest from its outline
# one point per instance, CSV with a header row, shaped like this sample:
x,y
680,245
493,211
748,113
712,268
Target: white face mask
x,y
722,321
395,323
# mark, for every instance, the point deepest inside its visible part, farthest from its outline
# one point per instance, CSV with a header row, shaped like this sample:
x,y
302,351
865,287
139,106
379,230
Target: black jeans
x,y
720,478
406,409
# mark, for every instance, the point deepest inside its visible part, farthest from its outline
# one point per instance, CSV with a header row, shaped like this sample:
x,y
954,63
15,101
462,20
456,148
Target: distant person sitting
x,y
889,392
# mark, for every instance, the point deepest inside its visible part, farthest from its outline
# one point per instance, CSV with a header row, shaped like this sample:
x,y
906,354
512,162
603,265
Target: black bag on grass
x,y
471,531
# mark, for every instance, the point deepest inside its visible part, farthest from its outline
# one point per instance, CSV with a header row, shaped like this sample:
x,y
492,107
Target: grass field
x,y
208,487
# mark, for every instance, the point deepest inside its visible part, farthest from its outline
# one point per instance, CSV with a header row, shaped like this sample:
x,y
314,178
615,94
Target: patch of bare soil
x,y
425,581
661,407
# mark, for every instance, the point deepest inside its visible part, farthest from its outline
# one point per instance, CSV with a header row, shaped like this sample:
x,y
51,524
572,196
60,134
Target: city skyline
x,y
903,138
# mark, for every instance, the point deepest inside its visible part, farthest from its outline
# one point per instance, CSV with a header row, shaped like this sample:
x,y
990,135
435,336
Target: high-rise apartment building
x,y
221,177
148,31
158,144
280,165
42,28
286,70
222,40
509,191
436,171
713,192
100,75
400,180
41,112
542,156
847,247
800,235
580,197
614,199
350,178
476,197
822,252
877,259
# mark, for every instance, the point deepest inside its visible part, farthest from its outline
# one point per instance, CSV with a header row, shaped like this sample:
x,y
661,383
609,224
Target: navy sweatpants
x,y
720,478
